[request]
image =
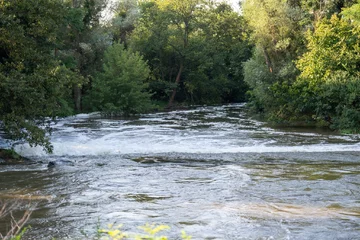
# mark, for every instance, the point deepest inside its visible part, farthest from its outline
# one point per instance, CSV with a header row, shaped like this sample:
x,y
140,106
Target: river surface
x,y
211,171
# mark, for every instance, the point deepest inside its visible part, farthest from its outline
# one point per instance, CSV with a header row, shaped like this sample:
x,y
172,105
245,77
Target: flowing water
x,y
211,171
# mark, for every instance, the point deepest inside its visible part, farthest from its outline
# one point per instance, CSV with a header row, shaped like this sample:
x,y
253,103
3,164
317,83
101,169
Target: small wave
x,y
189,131
110,146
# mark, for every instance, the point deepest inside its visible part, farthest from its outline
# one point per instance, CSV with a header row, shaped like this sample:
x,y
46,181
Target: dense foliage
x,y
306,63
195,50
33,82
43,63
295,60
121,89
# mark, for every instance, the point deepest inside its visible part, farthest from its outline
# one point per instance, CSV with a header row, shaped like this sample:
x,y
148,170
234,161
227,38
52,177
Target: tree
x,y
352,13
219,46
323,86
330,76
127,13
181,14
121,89
84,42
194,48
320,9
32,80
277,31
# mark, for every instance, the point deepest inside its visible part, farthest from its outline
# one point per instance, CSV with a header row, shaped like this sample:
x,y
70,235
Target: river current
x,y
211,171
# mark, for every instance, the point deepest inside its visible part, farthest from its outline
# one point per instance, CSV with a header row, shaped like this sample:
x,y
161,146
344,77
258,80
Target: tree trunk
x,y
76,87
178,77
177,81
77,97
267,60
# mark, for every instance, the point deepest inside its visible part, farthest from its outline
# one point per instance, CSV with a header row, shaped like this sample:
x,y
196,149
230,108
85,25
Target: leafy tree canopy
x,y
194,48
32,80
121,89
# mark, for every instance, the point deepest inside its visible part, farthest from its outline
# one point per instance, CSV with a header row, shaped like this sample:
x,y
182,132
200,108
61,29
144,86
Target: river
x,y
211,171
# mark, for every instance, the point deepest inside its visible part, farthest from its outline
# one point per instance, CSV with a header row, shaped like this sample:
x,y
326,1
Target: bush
x,y
121,89
340,101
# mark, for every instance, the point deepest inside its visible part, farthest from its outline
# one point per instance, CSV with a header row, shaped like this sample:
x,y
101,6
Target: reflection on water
x,y
211,171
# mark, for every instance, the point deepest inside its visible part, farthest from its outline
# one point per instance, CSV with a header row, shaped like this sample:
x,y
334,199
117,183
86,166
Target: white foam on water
x,y
120,144
177,132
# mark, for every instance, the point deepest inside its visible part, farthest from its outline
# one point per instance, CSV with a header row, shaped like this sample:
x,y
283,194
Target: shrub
x,y
121,89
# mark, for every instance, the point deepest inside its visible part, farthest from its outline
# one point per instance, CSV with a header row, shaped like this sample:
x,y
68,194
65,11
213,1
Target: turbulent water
x,y
211,171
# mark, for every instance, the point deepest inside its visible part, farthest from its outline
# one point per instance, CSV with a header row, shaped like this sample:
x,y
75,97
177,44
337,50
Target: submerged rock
x,y
8,156
52,164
